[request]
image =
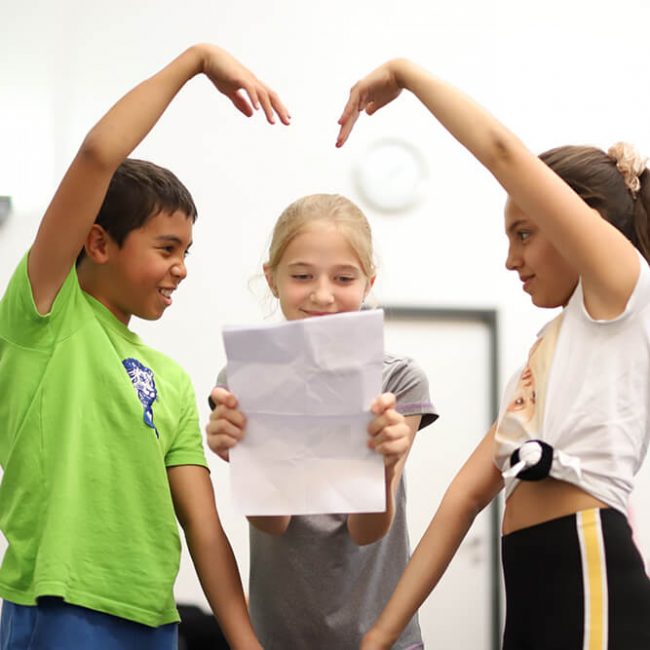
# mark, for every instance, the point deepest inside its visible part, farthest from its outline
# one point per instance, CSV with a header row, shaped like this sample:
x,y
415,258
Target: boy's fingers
x,y
280,108
241,103
255,96
267,107
260,96
272,106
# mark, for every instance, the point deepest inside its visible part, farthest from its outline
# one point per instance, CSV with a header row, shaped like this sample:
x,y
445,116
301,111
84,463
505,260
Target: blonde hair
x,y
331,208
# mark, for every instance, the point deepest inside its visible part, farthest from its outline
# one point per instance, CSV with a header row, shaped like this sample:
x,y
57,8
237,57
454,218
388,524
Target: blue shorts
x,y
53,624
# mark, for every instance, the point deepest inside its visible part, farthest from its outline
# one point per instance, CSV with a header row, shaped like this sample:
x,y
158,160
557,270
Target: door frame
x,y
489,319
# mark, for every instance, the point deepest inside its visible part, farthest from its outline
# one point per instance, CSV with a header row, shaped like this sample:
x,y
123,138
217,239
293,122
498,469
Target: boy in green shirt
x,y
100,444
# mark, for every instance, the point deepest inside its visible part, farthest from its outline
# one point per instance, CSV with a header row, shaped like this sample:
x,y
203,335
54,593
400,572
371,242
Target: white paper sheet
x,y
306,387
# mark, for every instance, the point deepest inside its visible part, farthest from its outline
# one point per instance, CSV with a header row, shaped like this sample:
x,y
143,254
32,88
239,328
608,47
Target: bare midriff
x,y
534,502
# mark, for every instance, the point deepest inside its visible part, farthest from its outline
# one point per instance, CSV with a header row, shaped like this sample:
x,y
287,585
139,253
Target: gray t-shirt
x,y
313,588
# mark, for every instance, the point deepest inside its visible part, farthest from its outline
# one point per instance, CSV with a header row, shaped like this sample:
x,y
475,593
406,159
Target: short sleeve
x,y
407,381
20,321
187,448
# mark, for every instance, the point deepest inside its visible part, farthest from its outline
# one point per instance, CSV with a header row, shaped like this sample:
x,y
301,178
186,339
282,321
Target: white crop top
x,y
585,393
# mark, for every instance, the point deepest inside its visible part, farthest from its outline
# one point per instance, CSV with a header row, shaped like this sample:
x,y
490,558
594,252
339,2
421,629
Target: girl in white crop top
x,y
575,423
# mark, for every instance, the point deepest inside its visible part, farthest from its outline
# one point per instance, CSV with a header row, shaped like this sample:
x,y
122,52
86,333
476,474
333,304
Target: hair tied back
x,y
630,163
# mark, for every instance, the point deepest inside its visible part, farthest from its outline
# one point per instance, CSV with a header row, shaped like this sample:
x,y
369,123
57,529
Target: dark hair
x,y
139,190
593,174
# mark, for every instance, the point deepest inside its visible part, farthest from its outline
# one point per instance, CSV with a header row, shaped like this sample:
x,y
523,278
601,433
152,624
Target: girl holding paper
x,y
318,581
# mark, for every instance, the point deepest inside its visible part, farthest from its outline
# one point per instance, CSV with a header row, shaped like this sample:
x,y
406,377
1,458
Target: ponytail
x,y
642,214
616,184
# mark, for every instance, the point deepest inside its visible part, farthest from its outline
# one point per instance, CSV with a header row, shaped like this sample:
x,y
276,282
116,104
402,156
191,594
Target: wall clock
x,y
390,175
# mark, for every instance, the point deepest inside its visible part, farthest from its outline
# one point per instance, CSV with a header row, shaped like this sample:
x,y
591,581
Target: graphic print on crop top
x,y
522,419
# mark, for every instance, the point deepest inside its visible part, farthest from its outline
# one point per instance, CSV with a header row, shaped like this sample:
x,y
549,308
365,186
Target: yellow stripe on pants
x,y
594,579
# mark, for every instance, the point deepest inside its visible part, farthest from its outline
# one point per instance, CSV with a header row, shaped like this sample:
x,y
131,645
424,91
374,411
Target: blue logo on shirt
x,y
145,387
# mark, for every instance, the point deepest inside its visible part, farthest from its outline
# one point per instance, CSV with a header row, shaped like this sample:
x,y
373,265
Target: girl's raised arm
x,y
599,253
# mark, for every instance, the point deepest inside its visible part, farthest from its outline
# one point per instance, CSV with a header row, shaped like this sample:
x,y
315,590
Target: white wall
x,y
557,72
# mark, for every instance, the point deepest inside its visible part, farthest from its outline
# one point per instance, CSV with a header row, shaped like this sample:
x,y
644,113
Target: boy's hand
x,y
226,425
231,78
377,89
390,435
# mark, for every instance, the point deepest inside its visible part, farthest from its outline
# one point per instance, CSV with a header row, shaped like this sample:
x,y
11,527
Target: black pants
x,y
576,583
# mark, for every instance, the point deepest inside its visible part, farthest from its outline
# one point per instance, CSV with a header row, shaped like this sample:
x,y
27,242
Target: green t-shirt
x,y
90,418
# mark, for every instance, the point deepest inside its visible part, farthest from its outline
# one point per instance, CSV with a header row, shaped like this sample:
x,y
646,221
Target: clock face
x,y
390,175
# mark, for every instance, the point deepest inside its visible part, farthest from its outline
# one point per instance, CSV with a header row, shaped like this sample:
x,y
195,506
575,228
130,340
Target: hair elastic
x,y
630,163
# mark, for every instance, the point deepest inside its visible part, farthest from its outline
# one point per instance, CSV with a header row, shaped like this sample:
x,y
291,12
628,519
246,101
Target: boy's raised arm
x,y
78,198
